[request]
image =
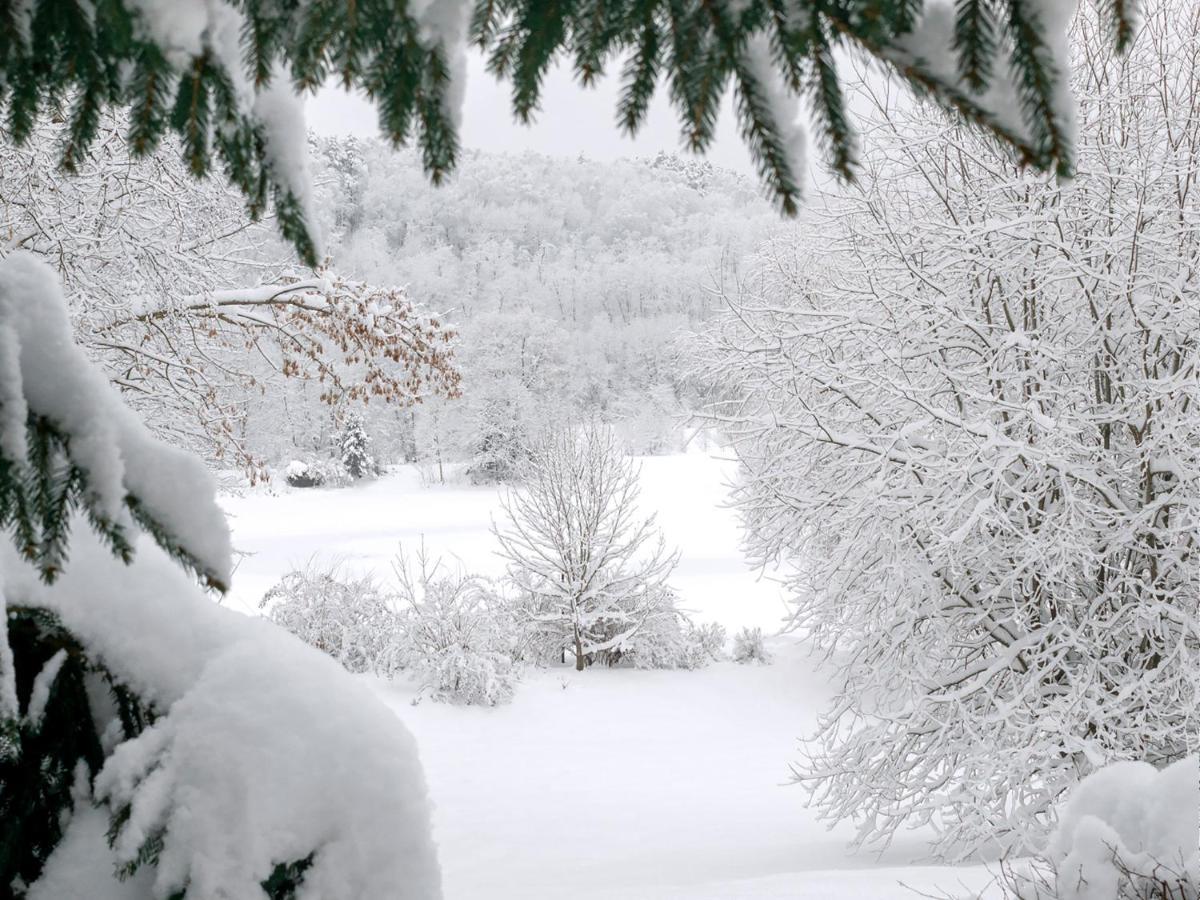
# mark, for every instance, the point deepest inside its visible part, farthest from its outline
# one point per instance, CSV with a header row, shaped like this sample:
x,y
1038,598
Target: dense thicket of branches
x,y
973,426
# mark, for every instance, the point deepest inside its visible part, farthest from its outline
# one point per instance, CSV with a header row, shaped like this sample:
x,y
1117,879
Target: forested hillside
x,y
567,282
457,319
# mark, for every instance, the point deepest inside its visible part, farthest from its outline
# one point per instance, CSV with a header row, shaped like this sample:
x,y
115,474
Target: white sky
x,y
573,120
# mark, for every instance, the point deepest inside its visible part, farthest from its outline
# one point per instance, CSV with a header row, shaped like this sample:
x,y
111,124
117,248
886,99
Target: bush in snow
x,y
301,475
449,629
355,448
349,618
681,645
707,643
146,732
591,573
748,646
459,635
315,473
666,638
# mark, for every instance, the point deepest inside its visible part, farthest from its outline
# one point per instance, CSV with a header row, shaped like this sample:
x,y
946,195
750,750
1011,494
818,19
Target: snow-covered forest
x,y
392,514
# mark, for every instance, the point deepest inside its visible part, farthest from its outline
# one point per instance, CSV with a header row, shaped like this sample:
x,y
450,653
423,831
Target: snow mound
x,y
1128,816
264,751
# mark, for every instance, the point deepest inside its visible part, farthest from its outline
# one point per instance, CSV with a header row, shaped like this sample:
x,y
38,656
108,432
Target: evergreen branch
x,y
975,42
837,136
1123,15
1036,75
639,78
760,131
918,76
543,28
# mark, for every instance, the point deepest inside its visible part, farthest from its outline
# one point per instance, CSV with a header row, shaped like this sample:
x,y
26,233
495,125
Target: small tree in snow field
x,y
590,568
748,646
355,447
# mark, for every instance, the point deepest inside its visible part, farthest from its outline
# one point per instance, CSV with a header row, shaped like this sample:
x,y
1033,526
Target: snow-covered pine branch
x,y
590,568
146,733
68,445
224,76
971,421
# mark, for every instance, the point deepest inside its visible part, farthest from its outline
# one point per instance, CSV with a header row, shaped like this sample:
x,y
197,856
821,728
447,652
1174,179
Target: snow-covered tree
x,y
589,568
146,733
354,448
971,420
514,382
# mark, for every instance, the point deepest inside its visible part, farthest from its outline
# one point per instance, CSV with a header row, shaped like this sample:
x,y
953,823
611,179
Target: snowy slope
x,y
615,784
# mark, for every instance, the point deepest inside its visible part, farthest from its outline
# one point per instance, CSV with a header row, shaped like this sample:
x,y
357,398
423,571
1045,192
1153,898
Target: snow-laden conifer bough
x,y
222,74
153,744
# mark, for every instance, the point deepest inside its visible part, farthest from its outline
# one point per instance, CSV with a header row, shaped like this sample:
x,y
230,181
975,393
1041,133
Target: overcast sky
x,y
572,121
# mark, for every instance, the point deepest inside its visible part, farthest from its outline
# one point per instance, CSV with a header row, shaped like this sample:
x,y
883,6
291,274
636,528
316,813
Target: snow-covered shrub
x,y
147,733
707,643
459,635
302,475
452,631
355,448
748,646
683,646
315,472
666,638
350,618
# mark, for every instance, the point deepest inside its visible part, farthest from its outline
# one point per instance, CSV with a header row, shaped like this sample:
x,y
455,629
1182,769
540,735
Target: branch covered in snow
x,y
67,442
259,752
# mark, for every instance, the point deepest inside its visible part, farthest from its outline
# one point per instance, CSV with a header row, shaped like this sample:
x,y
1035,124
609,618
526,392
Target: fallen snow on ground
x,y
641,785
616,784
364,525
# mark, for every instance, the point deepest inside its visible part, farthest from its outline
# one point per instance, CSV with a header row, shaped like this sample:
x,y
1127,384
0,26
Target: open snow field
x,y
616,784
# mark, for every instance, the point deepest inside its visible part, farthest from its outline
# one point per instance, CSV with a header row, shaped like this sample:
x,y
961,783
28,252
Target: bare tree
x,y
591,569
